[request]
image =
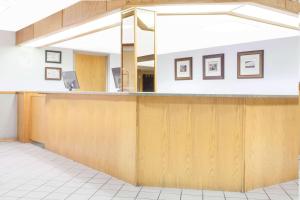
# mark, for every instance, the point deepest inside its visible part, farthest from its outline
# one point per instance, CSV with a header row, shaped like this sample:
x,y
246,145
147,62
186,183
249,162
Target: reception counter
x,y
232,143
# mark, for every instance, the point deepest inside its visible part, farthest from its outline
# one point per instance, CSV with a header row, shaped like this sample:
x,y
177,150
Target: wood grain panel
x,y
97,131
24,119
48,25
37,122
191,142
82,11
115,4
271,141
25,34
292,6
91,72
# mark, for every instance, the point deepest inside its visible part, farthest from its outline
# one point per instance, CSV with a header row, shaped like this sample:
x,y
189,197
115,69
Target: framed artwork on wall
x,y
53,56
53,73
250,64
213,67
184,68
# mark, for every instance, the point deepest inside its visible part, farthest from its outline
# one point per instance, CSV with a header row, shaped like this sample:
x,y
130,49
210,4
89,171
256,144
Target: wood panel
x,y
271,141
82,11
191,142
234,144
24,119
91,72
293,6
115,4
37,122
99,131
48,25
25,34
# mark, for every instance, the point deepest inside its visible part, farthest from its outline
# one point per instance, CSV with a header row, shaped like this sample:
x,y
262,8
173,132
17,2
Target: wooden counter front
x,y
232,144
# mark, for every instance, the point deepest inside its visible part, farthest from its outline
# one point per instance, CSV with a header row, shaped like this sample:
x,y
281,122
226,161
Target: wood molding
x,y
8,139
24,119
83,11
25,34
7,92
115,4
48,25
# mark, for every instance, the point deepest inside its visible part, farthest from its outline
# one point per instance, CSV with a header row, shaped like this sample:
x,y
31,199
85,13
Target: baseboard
x,y
8,139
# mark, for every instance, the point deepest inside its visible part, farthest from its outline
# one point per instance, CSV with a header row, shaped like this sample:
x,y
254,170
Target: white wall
x,y
23,68
8,116
281,70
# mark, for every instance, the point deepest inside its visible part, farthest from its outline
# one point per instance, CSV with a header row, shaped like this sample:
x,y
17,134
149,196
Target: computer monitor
x,y
70,80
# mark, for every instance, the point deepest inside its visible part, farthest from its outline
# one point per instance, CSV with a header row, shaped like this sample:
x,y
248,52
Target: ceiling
x,y
186,32
17,14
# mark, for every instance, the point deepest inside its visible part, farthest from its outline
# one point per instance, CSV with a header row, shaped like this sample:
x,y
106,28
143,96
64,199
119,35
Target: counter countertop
x,y
163,94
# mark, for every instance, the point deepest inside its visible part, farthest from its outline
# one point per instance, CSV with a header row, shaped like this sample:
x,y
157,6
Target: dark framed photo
x,y
250,64
184,68
53,73
213,67
52,56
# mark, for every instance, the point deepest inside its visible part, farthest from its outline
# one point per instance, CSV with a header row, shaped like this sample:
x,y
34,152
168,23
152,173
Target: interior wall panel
x,y
183,141
271,141
8,116
97,131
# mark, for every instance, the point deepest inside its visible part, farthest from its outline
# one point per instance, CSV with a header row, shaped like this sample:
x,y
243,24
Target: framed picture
x,y
184,68
52,56
250,64
53,73
213,67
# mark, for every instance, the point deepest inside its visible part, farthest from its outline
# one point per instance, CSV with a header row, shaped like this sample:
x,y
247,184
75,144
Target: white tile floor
x,y
29,172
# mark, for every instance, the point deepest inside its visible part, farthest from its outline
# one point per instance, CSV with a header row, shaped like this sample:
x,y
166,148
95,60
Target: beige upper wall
x,y
85,11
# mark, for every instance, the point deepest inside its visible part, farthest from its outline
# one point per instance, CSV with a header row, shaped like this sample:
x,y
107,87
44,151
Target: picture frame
x,y
53,73
213,67
250,64
53,56
183,68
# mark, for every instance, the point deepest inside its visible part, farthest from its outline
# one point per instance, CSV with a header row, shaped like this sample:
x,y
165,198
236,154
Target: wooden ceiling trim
x,y
83,11
25,34
48,25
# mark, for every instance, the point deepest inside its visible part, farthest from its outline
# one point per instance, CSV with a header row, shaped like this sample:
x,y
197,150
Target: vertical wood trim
x,y
24,115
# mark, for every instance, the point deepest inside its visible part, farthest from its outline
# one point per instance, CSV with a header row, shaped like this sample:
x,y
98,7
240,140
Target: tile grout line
x,y
266,193
80,185
285,192
118,191
100,187
159,194
62,185
136,196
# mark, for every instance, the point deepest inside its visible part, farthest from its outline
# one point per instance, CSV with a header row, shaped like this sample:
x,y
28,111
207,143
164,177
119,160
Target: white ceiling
x,y
184,33
17,14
